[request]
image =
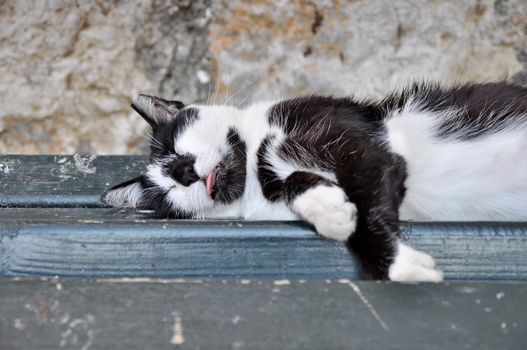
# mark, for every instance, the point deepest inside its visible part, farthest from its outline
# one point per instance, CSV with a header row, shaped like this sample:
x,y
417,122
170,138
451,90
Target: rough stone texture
x,y
68,70
365,47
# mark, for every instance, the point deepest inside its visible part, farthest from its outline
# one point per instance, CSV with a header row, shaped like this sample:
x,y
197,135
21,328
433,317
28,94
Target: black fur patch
x,y
230,180
158,108
477,109
182,170
164,134
272,186
154,198
301,181
346,138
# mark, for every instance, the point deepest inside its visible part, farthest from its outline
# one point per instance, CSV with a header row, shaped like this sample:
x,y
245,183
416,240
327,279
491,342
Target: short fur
x,y
350,168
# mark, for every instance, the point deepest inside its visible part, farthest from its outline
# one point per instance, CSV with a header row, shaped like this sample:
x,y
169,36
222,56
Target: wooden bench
x,y
230,284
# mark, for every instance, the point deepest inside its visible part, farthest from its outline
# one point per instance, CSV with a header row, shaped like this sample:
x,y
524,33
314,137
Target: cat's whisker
x,y
236,93
209,85
250,91
217,83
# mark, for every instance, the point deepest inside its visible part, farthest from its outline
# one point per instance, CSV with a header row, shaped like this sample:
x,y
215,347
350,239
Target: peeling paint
x,y
468,290
503,326
20,324
283,282
4,168
78,331
83,164
177,337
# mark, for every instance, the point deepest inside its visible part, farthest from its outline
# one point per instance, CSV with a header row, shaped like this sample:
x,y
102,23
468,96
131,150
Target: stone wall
x,y
69,69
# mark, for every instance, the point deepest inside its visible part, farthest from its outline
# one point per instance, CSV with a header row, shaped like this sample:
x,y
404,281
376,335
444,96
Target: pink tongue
x,y
210,182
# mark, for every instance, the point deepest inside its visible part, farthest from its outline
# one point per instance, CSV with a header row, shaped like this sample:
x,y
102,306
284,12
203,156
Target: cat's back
x,y
465,150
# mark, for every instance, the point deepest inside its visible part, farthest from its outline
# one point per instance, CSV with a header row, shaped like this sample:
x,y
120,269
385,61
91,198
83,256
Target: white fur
x,y
155,174
329,210
411,265
126,197
253,125
450,179
206,137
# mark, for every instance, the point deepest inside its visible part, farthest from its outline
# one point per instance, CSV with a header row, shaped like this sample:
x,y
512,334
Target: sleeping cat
x,y
350,168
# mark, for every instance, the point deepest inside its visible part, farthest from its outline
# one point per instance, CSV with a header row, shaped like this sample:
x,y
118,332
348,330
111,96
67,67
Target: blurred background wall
x,y
69,69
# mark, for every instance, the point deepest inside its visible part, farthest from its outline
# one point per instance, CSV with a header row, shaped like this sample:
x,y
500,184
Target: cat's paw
x,y
411,265
328,209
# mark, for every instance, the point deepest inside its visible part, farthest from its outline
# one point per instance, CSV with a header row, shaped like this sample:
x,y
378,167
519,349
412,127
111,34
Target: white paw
x,y
411,265
328,209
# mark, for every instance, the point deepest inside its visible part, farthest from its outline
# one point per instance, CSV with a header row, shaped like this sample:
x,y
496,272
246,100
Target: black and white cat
x,y
352,169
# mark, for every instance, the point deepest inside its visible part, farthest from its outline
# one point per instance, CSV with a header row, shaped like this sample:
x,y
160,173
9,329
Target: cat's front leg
x,y
371,231
322,203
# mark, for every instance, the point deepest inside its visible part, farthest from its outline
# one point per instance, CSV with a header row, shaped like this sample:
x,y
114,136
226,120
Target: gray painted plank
x,y
62,181
107,242
260,314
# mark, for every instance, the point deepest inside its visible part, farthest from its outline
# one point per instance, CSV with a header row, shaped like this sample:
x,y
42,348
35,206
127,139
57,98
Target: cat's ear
x,y
128,194
156,110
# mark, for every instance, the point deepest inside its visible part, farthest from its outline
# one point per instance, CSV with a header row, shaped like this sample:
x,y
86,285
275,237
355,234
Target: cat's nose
x,y
185,174
183,171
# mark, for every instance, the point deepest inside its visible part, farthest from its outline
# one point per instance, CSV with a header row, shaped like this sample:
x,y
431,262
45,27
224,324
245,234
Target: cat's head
x,y
197,161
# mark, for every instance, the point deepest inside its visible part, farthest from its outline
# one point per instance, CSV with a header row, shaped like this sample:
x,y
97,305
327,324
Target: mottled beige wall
x,y
68,70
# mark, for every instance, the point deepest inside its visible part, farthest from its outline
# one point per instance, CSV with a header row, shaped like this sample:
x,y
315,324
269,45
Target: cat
x,y
350,168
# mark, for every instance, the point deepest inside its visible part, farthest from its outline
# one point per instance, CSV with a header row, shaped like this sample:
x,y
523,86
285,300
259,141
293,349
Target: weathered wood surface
x,y
108,242
44,232
260,314
62,181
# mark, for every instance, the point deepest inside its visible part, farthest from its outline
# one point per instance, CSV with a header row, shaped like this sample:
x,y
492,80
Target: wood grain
x,y
107,242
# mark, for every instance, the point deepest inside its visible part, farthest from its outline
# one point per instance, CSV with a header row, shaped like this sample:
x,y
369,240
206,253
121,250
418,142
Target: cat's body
x,y
351,169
